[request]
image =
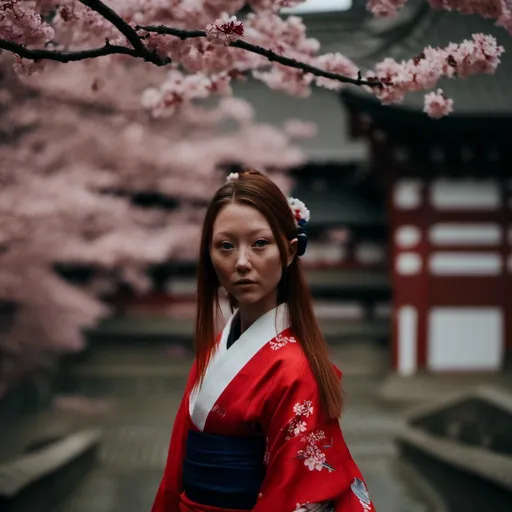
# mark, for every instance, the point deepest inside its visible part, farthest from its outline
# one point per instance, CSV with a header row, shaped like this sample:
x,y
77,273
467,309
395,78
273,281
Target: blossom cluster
x,y
180,88
499,10
437,105
22,23
384,8
479,55
225,30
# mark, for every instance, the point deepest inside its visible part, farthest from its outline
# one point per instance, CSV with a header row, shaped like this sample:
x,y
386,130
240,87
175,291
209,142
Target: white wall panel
x,y
407,340
407,236
465,263
465,338
465,234
465,194
407,194
408,263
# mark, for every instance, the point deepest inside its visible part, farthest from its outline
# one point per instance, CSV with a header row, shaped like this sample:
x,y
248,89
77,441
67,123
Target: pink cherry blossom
x,y
479,55
78,157
72,26
87,138
437,105
21,22
336,63
272,5
282,78
179,89
224,30
385,7
297,128
499,10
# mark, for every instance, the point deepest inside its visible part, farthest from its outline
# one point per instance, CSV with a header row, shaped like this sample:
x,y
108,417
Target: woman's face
x,y
245,255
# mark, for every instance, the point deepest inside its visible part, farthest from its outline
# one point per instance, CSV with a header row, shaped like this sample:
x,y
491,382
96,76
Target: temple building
x,y
448,189
411,232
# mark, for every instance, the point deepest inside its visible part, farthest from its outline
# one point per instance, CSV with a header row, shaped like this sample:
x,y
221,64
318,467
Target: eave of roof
x,y
479,99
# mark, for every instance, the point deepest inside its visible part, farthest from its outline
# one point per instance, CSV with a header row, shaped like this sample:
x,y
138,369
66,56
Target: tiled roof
x,y
488,95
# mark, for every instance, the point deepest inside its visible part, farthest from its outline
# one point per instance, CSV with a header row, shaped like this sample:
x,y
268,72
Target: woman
x,y
258,425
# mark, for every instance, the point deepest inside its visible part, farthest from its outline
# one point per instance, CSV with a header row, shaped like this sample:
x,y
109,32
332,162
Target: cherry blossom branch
x,y
109,49
269,54
125,29
59,56
499,10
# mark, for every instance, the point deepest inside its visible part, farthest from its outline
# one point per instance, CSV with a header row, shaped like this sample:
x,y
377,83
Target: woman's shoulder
x,y
289,359
286,353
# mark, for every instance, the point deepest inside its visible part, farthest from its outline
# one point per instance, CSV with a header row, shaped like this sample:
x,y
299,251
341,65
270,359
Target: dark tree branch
x,y
125,29
178,32
37,55
141,51
269,54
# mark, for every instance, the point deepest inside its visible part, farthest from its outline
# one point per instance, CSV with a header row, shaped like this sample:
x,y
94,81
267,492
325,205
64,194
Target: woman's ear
x,y
292,251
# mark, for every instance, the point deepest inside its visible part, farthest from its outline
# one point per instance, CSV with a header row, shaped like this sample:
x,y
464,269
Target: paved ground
x,y
146,390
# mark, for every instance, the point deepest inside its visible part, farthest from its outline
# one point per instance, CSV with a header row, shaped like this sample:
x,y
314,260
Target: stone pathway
x,y
136,435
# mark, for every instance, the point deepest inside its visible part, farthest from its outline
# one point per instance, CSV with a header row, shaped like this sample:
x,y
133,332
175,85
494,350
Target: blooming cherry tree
x,y
74,162
208,44
77,149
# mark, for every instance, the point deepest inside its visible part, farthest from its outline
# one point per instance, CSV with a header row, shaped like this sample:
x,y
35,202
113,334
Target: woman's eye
x,y
225,246
261,243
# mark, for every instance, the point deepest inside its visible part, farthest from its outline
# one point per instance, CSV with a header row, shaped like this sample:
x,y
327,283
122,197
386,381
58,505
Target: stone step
x,y
467,477
480,416
424,388
40,479
488,465
462,444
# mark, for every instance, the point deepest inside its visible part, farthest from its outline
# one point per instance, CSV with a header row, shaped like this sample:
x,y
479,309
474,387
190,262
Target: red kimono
x,y
264,382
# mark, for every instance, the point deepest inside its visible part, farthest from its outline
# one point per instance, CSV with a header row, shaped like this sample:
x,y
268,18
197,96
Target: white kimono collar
x,y
266,327
226,364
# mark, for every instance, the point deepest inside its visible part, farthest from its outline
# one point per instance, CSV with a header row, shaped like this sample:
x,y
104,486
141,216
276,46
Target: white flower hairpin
x,y
300,213
301,216
232,177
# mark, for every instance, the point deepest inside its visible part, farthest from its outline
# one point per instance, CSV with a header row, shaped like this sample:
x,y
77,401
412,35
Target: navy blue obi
x,y
223,471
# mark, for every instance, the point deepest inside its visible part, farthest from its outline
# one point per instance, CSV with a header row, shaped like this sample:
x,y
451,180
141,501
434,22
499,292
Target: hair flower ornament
x,y
232,177
301,215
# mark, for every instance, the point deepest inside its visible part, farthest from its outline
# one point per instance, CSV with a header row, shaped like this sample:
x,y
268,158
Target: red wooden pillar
x,y
409,250
507,271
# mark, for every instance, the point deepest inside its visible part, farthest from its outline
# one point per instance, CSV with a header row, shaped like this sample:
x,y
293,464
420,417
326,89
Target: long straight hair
x,y
256,190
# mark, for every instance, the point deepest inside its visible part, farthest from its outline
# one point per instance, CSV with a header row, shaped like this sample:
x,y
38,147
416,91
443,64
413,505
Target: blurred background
x,y
409,261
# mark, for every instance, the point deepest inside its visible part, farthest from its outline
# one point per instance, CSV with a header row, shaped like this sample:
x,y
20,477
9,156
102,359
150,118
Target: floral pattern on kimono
x,y
298,423
313,455
310,468
280,341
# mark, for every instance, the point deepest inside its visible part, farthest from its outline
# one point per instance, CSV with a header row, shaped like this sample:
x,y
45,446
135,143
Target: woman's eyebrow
x,y
264,231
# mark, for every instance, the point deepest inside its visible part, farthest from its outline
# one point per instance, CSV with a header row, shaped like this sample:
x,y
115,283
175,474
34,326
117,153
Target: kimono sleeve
x,y
168,494
309,467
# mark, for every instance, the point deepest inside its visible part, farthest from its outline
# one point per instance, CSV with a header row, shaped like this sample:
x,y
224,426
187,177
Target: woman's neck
x,y
249,313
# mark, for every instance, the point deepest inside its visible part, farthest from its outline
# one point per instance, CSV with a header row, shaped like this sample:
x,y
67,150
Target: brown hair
x,y
256,190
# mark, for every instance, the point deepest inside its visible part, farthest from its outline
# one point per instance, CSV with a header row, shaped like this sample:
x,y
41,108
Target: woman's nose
x,y
243,262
